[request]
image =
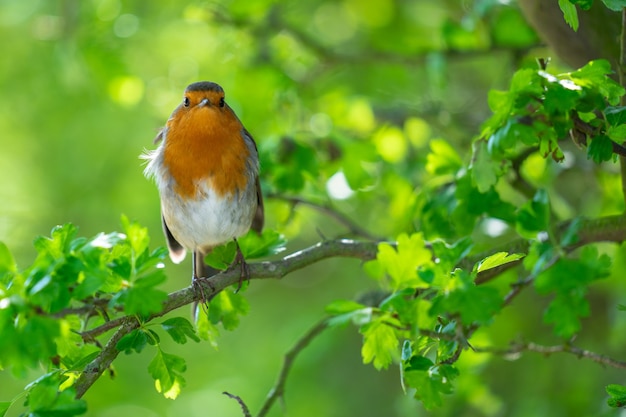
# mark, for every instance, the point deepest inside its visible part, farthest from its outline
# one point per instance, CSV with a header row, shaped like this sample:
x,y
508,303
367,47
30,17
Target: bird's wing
x,y
259,215
177,252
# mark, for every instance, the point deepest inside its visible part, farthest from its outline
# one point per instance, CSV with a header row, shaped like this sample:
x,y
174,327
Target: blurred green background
x,y
322,86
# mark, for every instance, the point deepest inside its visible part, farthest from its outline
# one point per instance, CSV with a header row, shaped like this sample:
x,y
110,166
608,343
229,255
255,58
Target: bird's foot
x,y
199,289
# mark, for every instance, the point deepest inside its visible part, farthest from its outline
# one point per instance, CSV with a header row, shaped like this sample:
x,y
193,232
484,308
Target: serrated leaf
x,y
600,149
569,13
207,330
483,169
474,304
565,311
497,259
431,384
180,329
379,344
133,341
166,370
142,301
136,235
534,215
617,133
617,394
222,256
402,262
227,307
270,242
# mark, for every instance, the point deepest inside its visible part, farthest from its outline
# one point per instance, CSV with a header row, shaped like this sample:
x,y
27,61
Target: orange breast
x,y
205,146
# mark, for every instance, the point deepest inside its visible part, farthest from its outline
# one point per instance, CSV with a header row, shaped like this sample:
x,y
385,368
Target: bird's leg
x,y
198,263
245,270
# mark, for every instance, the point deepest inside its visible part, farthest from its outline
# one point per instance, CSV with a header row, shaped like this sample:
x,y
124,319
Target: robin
x,y
207,171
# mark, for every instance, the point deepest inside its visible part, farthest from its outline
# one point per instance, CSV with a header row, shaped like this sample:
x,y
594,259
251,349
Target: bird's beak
x,y
204,102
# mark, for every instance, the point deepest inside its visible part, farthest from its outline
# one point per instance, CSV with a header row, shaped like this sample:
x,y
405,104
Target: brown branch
x,y
519,348
323,250
278,390
603,229
612,228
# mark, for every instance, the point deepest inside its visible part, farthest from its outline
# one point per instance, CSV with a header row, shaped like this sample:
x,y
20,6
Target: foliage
x,y
476,234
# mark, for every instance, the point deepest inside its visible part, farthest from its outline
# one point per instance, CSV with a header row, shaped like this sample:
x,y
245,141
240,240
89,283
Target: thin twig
x,y
341,218
244,407
519,348
278,390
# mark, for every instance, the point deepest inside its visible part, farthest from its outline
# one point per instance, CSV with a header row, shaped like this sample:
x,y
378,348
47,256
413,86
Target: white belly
x,y
210,220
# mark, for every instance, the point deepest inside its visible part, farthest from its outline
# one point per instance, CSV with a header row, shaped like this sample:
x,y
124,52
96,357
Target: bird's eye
x,y
186,102
222,102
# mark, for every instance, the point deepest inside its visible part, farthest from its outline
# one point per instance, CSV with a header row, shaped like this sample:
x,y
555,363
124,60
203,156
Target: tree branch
x,y
244,407
519,348
612,229
278,390
323,250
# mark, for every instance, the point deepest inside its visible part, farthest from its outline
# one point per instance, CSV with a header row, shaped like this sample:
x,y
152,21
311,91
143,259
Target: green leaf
x,y
227,307
222,256
594,76
142,301
473,303
483,168
583,4
442,159
402,262
600,149
166,370
4,407
46,399
180,329
565,311
343,306
418,363
253,245
569,13
380,343
617,394
431,384
136,234
7,262
570,274
615,5
534,215
135,340
615,115
497,259
617,133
